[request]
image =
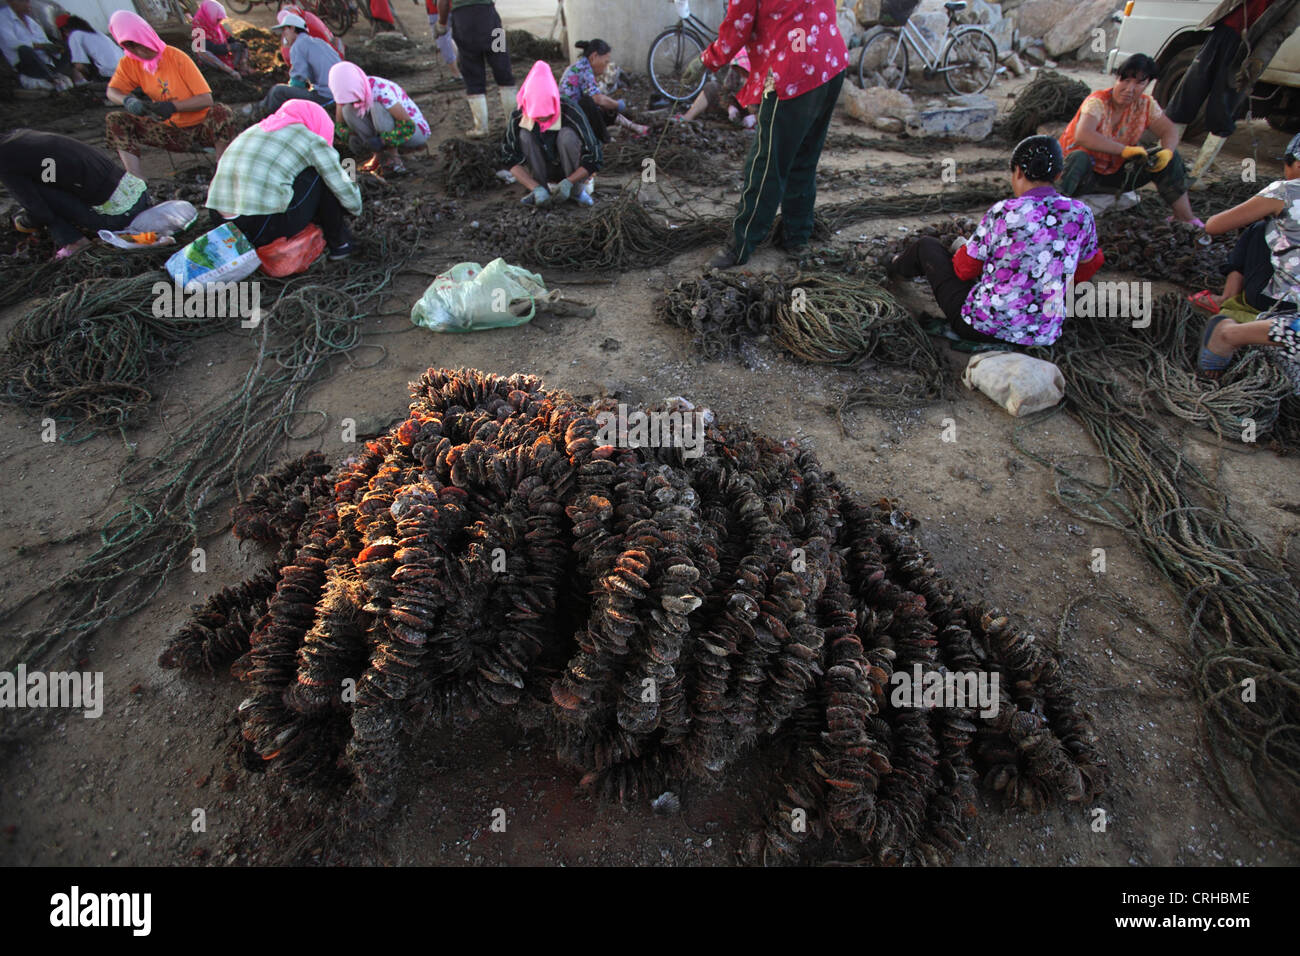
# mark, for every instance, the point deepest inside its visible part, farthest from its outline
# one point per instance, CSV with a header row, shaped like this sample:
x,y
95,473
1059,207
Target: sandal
x,y
1211,365
70,250
1204,300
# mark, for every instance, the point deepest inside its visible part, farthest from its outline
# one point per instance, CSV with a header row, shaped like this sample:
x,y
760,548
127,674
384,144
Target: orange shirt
x,y
1124,125
177,79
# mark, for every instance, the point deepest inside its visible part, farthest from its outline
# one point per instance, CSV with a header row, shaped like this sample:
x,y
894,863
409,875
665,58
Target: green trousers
x,y
1079,179
781,168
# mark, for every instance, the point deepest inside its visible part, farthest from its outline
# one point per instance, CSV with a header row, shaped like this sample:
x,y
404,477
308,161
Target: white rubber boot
x,y
1205,158
478,110
508,100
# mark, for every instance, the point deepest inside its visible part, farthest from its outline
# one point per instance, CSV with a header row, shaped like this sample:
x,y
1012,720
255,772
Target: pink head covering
x,y
209,16
350,85
539,95
128,27
309,114
742,59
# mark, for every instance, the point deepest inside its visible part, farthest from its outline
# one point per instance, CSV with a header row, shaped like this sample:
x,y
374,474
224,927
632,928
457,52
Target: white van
x,y
1168,30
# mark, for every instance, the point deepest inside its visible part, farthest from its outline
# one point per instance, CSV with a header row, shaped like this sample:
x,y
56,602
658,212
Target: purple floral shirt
x,y
1030,246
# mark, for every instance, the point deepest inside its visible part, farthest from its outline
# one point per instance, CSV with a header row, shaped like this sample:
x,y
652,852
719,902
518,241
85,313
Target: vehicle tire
x,y
1284,122
1171,75
971,61
883,61
240,6
670,54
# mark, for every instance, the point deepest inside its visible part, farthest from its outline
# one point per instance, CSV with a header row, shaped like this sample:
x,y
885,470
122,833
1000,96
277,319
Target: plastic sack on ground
x,y
468,297
163,220
223,254
289,256
1020,384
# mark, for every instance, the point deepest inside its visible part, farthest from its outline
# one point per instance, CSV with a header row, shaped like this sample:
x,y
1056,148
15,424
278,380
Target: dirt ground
x,y
123,789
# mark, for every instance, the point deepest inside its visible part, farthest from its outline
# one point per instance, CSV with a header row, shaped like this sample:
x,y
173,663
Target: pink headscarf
x,y
128,27
539,95
309,114
349,84
209,16
742,59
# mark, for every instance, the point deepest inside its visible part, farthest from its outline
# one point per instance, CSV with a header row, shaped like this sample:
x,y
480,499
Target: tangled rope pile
x,y
221,447
1243,607
468,166
1049,98
657,614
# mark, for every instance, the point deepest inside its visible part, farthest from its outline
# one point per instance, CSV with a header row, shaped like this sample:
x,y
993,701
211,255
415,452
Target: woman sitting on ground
x,y
219,49
721,95
548,138
168,103
1264,270
282,174
377,115
1007,283
579,83
93,55
87,191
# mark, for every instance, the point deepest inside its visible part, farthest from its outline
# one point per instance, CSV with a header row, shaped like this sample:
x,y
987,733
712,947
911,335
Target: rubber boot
x,y
479,111
508,100
1205,158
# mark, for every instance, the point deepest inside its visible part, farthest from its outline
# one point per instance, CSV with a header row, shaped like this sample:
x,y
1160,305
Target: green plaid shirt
x,y
255,174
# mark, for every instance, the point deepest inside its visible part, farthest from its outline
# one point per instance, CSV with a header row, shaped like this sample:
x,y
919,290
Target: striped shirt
x,y
255,174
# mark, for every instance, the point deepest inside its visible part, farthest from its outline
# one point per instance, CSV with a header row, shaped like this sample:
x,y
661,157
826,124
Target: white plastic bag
x,y
165,219
468,297
1020,384
222,254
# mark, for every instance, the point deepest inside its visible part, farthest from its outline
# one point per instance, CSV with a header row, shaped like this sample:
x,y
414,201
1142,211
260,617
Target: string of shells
x,y
656,614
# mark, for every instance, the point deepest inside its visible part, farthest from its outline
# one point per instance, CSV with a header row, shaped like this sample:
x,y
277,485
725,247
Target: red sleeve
x,y
1087,270
965,265
732,37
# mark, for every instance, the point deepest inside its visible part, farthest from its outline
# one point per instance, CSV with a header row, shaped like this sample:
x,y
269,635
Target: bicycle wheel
x,y
670,54
883,61
240,6
970,62
337,15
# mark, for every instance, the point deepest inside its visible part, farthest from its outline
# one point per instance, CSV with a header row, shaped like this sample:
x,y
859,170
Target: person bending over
x,y
377,115
580,84
547,139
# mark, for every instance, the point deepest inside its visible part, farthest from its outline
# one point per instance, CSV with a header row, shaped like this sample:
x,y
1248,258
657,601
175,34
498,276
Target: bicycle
x,y
675,49
967,57
337,14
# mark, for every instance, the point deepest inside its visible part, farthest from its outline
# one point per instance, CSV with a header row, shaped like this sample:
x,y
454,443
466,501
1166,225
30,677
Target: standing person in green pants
x,y
798,58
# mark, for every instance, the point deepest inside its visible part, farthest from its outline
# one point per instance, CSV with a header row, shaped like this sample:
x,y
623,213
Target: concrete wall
x,y
629,26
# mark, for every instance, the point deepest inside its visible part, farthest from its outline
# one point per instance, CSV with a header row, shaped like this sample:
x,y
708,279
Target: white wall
x,y
629,26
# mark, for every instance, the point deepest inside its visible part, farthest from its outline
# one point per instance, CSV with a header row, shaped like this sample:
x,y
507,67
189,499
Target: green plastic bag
x,y
468,297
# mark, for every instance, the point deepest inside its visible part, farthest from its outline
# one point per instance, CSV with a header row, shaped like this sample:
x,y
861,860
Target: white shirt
x,y
16,32
95,48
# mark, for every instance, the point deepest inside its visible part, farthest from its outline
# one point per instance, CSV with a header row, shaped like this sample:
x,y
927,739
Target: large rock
x,y
867,105
1067,35
1003,32
1088,50
1037,18
967,117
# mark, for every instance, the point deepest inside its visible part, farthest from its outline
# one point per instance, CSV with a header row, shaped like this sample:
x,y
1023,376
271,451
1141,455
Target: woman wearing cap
x,y
87,192
218,48
547,139
1007,283
281,174
309,71
173,110
1264,270
93,55
315,28
376,114
579,84
717,95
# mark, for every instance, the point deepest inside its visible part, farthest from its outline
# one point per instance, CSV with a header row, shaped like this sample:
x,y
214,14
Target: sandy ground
x,y
123,789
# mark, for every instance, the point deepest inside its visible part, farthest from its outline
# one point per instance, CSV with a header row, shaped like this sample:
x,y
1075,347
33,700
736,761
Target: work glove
x,y
440,30
163,110
694,70
1161,160
564,190
1133,151
538,197
622,105
135,106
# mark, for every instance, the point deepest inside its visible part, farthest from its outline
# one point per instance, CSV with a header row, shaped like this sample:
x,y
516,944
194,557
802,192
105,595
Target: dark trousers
x,y
1079,179
64,213
475,30
1207,81
595,116
1253,259
927,256
559,162
32,65
781,168
312,202
282,93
